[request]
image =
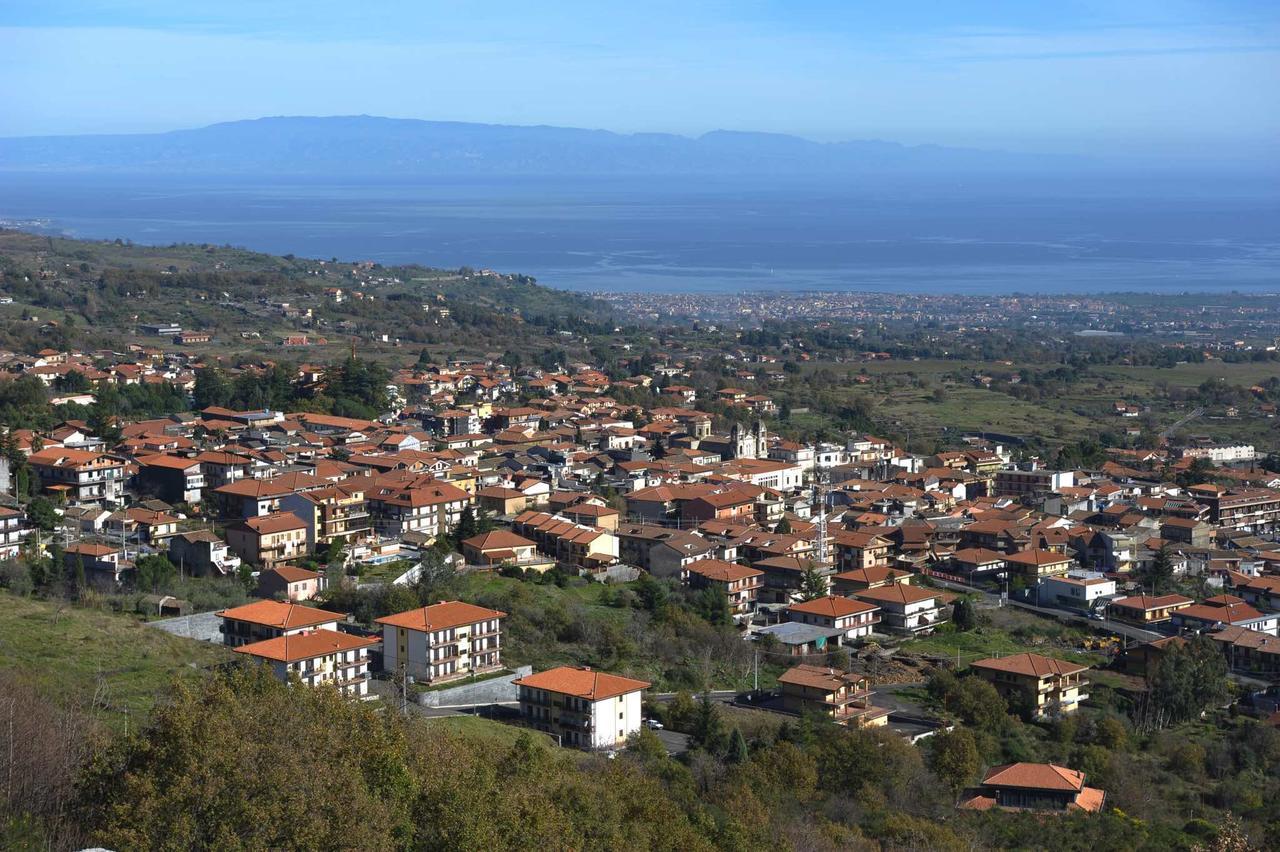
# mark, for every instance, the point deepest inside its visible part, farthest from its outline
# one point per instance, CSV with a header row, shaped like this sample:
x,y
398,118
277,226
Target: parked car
x,y
653,724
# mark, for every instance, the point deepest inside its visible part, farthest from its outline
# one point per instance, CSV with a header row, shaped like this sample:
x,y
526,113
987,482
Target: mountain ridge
x,y
362,144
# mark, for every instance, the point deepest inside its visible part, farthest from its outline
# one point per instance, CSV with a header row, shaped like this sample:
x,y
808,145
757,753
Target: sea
x,y
695,235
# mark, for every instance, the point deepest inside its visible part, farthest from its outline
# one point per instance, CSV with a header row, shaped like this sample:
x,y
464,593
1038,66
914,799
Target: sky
x,y
1163,79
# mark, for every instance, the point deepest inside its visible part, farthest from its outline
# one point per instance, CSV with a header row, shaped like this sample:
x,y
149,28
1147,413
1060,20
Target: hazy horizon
x,y
1137,82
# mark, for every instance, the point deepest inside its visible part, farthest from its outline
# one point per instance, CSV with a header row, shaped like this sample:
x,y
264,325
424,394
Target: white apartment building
x,y
443,641
317,657
584,708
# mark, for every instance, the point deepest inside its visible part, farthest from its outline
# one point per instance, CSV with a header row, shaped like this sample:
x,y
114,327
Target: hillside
x,y
368,145
101,294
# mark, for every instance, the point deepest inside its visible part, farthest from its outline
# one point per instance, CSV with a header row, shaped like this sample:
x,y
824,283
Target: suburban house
x,y
843,697
104,565
200,553
260,620
171,478
1036,564
290,583
1034,787
501,547
977,562
852,619
582,708
739,584
1224,611
268,540
661,551
848,582
14,530
79,476
1075,592
1045,686
1147,609
317,658
442,642
905,608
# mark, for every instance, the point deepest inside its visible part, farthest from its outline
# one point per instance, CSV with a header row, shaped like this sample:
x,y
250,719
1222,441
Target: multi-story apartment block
x,y
442,642
269,540
14,530
338,513
1045,686
171,478
583,708
1255,510
317,658
424,506
860,550
739,584
80,476
254,622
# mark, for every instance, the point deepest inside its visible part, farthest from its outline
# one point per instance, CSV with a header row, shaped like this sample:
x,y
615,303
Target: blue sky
x,y
1132,78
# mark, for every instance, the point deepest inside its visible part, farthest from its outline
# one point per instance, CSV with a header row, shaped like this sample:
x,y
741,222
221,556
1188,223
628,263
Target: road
x,y
1117,627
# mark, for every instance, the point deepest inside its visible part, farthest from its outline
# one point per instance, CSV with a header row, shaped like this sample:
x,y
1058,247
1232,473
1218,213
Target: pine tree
x,y
812,584
738,751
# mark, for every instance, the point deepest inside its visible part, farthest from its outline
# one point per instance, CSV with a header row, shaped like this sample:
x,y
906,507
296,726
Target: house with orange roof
x,y
861,550
174,479
1144,610
844,698
1040,787
849,582
260,620
290,583
317,658
582,708
907,609
268,540
853,619
442,642
419,503
503,547
79,477
739,584
1043,685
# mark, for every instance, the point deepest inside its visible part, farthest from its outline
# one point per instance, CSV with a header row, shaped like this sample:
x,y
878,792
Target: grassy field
x,y
81,653
1008,631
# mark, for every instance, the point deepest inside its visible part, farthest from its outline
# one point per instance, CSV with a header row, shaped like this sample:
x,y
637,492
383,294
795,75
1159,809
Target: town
x,y
618,559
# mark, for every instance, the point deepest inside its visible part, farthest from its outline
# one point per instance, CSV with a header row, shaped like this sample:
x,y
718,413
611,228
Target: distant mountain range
x,y
372,146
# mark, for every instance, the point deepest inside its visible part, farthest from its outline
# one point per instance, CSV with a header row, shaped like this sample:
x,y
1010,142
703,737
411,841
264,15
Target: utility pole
x,y
755,657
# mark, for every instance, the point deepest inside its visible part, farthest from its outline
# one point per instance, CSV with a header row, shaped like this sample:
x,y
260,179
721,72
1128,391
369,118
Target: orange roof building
x,y
583,708
253,622
317,658
1034,787
443,642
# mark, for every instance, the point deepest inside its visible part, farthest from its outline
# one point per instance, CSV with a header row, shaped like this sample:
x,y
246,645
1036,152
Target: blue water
x,y
678,236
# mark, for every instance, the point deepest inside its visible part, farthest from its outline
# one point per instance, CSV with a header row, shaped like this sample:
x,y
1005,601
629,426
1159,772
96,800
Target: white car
x,y
653,724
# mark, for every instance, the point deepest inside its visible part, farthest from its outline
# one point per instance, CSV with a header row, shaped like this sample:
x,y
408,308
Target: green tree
x,y
813,584
783,527
152,572
1159,575
964,615
41,513
738,751
708,731
1189,679
953,757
